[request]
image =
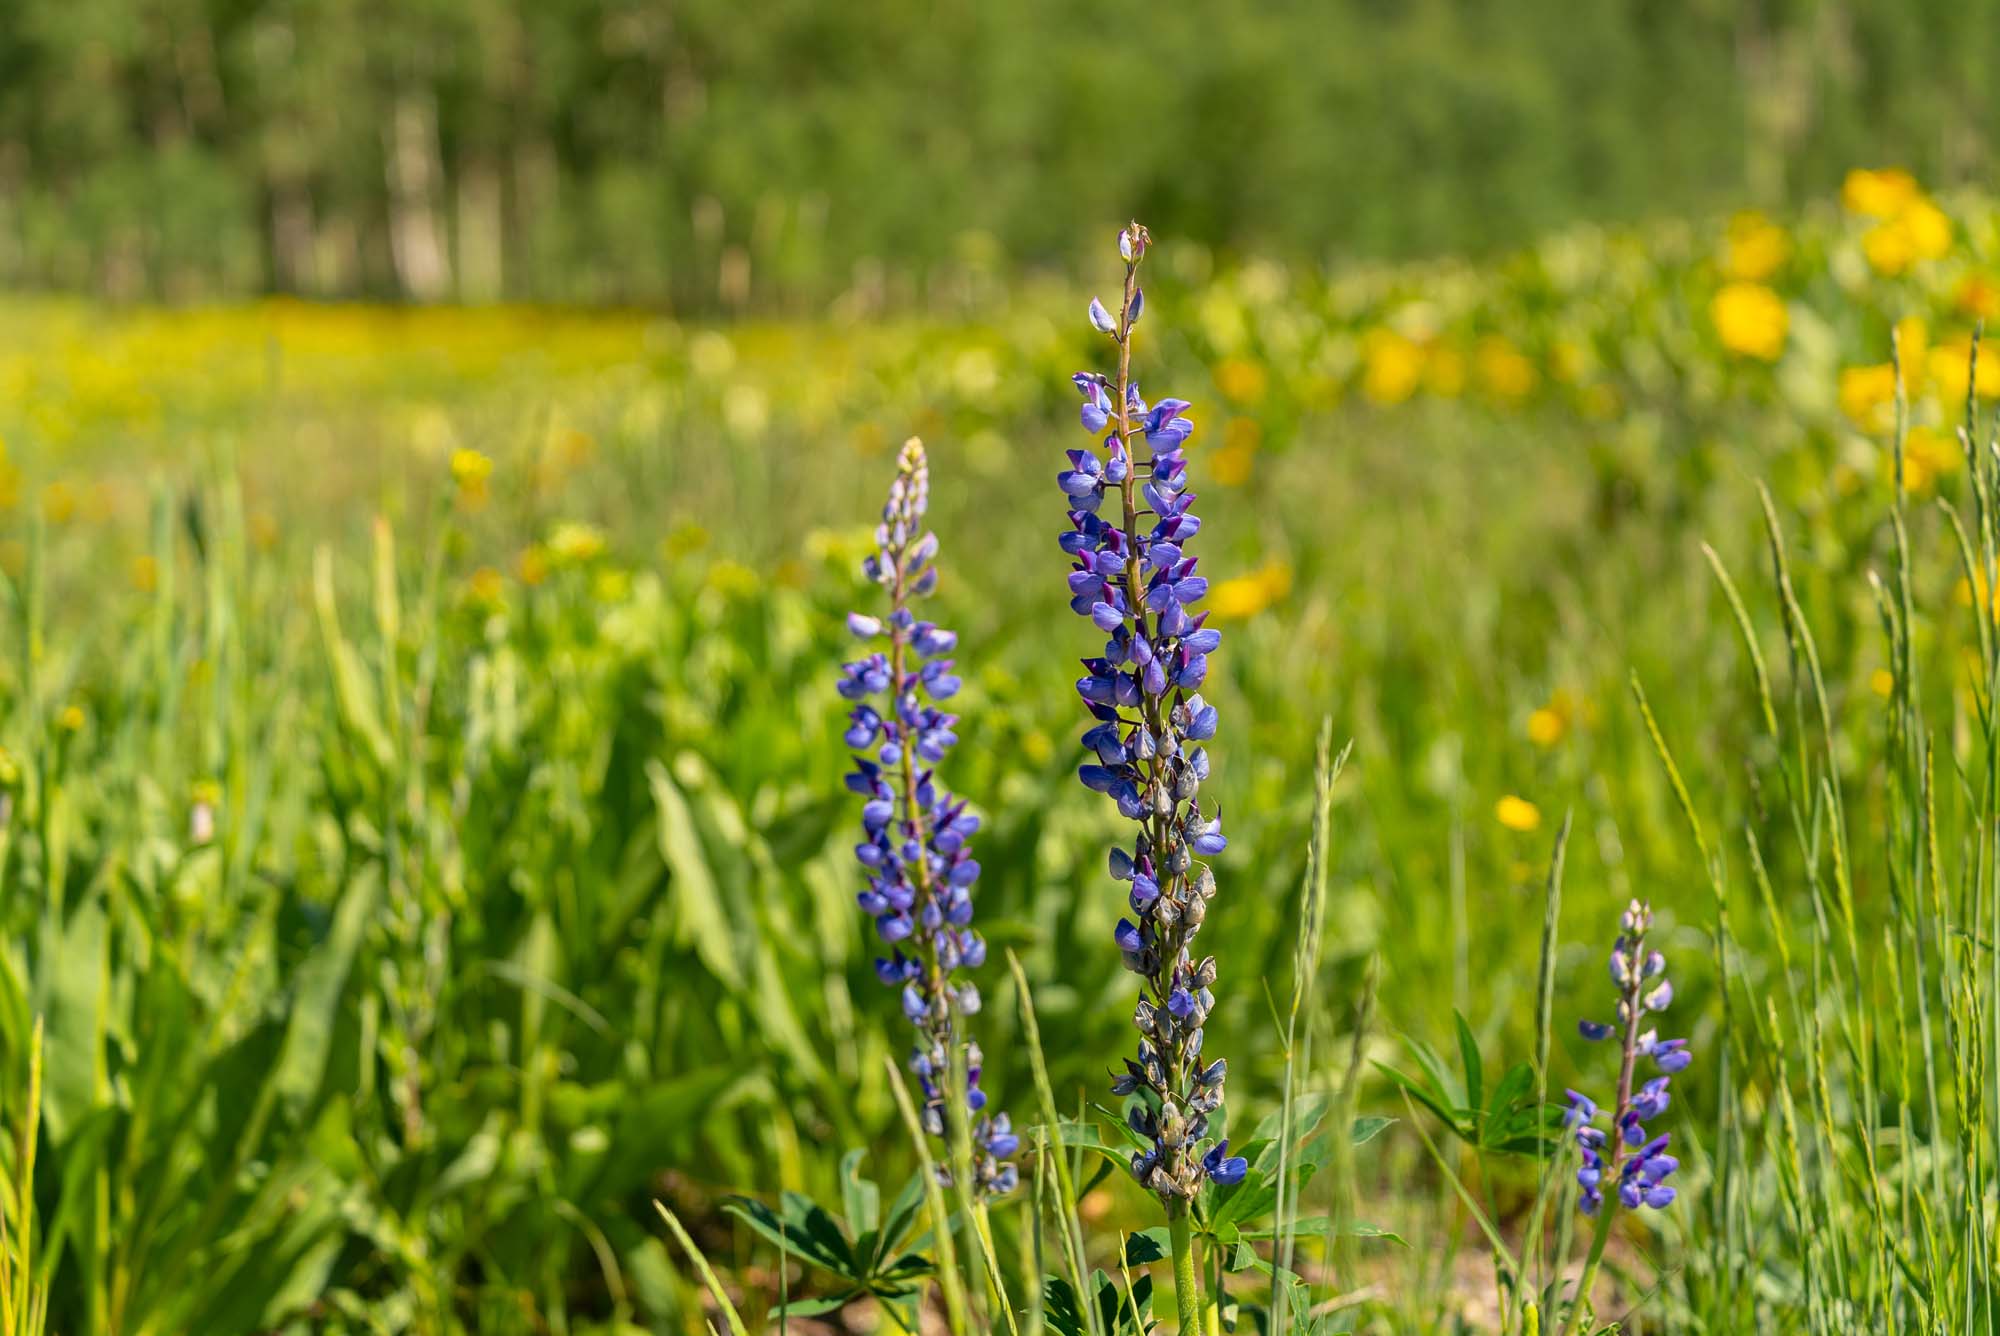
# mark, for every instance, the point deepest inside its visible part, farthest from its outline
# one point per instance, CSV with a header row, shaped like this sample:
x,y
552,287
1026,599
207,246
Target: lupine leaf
x,y
1469,1060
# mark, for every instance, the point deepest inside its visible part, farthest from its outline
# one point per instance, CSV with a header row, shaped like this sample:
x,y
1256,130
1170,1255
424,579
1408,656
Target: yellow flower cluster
x,y
1910,227
1751,320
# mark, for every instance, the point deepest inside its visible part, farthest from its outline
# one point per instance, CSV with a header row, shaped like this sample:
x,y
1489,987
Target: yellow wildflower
x,y
487,585
1927,229
1865,391
533,565
1878,194
1949,365
1978,296
1927,454
1546,727
1888,249
1393,366
470,470
1232,464
71,719
145,573
1882,681
1751,320
1755,249
1241,381
572,543
1504,372
1248,595
1517,814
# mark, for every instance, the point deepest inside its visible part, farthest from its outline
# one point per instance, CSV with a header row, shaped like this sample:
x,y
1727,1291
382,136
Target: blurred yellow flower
x,y
572,542
486,585
1393,366
71,719
1503,370
1928,229
1919,231
1232,465
1977,296
1517,814
1546,727
1878,194
533,564
470,470
145,573
1248,595
1865,391
1751,320
1927,455
1949,365
1755,249
1913,341
1241,381
1888,249
1882,681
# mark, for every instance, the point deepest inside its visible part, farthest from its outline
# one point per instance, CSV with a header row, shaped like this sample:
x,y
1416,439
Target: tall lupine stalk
x,y
1628,1163
1134,580
914,849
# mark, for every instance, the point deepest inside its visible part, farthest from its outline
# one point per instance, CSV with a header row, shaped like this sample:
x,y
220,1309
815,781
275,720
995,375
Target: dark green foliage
x,y
712,155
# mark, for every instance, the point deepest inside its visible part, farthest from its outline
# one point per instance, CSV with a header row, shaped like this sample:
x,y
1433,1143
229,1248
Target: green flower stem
x,y
1583,1286
1187,1285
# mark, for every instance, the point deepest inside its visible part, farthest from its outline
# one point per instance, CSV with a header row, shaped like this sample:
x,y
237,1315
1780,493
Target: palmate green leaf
x,y
1117,1312
1146,1246
1470,1064
897,1223
860,1199
802,1229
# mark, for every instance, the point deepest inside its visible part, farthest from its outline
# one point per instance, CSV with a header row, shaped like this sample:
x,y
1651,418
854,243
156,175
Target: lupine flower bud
x,y
920,873
1130,522
1640,1174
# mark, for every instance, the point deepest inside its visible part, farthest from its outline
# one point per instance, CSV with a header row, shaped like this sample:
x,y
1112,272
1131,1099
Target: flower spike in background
x,y
1626,1162
914,849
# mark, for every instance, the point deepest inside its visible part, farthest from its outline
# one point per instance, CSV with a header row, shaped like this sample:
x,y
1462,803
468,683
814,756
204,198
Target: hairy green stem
x,y
1590,1264
1187,1283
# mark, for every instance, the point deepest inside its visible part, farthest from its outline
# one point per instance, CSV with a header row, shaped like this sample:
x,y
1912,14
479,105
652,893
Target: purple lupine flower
x,y
1130,521
920,872
1636,1163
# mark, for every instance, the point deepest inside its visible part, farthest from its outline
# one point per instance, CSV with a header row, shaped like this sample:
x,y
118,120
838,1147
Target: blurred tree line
x,y
774,153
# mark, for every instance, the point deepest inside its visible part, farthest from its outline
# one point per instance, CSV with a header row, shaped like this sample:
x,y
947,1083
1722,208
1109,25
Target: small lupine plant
x,y
1628,1163
914,849
1133,578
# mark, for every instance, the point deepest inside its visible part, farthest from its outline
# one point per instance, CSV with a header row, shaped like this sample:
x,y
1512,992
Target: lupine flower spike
x,y
1627,1161
1133,579
914,849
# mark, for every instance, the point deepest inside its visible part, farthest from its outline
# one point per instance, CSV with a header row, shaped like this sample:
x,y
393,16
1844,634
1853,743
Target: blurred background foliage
x,y
712,155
